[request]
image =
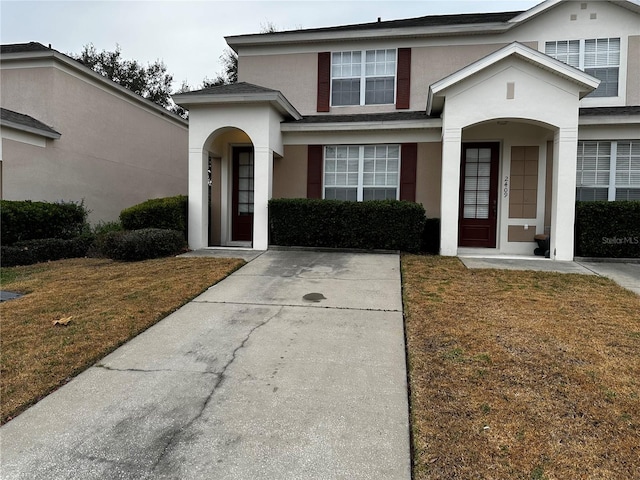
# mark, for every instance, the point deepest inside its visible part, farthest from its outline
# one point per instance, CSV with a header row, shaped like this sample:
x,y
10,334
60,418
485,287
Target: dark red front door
x,y
478,195
242,197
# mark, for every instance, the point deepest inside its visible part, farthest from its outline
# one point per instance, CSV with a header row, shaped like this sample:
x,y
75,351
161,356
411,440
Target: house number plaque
x,y
505,187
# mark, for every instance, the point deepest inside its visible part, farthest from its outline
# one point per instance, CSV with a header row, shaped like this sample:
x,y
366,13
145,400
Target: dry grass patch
x,y
523,375
108,302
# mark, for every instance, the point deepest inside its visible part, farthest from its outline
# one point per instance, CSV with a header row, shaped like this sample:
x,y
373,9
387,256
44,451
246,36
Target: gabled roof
x,y
241,92
430,25
435,100
239,88
26,123
23,47
25,52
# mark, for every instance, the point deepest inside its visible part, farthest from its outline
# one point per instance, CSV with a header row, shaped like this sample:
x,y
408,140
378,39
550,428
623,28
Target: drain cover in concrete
x,y
314,297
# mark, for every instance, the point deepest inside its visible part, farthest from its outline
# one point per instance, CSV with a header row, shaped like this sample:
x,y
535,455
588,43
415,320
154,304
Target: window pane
x,y
379,194
627,194
567,51
345,92
379,91
593,168
591,194
608,81
350,194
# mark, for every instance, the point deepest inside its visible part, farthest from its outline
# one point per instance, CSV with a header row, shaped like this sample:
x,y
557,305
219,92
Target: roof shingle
x,y
240,88
11,118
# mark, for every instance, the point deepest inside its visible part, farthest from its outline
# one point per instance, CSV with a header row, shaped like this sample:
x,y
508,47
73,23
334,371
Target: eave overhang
x,y
274,98
28,129
362,125
305,37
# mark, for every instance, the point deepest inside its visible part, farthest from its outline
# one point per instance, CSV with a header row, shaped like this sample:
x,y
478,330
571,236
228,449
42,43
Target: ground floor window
x,y
608,170
361,172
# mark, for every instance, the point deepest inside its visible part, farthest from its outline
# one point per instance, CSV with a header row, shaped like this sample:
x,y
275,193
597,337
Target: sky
x,y
188,36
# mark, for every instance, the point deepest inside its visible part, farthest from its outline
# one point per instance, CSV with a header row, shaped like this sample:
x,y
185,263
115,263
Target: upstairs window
x,y
363,77
599,57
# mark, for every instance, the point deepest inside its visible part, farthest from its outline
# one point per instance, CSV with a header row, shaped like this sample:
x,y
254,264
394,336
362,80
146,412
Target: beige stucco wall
x,y
113,153
290,173
633,71
295,75
433,63
428,173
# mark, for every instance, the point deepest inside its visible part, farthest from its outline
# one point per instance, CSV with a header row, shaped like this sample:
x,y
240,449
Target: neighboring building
x,y
70,134
494,122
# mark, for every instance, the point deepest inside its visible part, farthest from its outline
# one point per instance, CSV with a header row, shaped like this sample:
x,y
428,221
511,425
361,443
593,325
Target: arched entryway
x,y
231,181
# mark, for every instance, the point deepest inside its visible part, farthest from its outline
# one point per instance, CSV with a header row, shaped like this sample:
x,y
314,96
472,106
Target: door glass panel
x,y
477,182
245,183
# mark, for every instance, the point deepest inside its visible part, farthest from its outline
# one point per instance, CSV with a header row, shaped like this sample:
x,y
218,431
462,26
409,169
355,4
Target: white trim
x,y
609,120
362,126
435,100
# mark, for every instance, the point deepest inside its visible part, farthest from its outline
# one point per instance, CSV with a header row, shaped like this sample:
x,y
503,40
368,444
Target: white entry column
x,y
449,196
563,193
263,179
198,199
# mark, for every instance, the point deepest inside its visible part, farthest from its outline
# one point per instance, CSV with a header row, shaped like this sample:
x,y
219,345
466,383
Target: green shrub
x,y
45,249
27,220
168,213
386,224
134,245
608,229
100,231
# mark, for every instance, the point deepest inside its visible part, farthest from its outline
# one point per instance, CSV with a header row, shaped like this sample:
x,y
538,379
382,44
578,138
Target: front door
x,y
478,195
242,196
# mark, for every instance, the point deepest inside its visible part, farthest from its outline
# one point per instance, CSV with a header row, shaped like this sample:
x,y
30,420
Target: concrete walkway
x,y
291,368
626,275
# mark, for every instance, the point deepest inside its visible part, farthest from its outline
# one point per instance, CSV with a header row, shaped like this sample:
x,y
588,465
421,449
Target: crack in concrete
x,y
221,377
150,370
311,305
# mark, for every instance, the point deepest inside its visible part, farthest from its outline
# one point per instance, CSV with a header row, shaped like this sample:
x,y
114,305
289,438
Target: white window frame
x,y
363,76
360,187
612,185
581,64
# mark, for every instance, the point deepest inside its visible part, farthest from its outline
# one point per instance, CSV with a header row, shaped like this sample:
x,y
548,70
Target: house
x,y
495,122
71,134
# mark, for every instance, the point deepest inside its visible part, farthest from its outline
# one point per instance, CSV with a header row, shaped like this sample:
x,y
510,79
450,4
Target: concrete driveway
x,y
291,368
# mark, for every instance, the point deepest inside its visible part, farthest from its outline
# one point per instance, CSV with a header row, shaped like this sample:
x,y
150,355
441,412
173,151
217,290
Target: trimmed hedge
x,y
385,224
608,229
169,213
27,220
134,245
45,249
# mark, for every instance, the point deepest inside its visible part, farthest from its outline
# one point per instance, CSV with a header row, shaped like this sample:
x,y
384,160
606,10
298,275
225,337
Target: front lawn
x,y
103,303
521,375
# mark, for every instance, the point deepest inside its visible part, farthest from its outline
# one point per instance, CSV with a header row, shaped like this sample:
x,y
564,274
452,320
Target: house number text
x,y
505,187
